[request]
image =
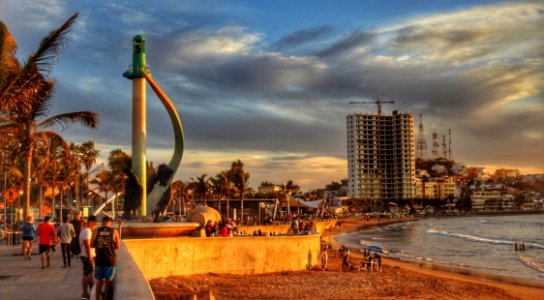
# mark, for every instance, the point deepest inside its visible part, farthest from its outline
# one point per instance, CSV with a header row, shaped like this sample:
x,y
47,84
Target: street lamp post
x,y
5,190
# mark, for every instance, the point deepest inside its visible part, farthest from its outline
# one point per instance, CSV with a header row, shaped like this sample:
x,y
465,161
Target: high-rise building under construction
x,y
381,156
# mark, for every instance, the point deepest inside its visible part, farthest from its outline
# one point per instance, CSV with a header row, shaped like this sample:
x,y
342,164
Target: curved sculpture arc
x,y
179,139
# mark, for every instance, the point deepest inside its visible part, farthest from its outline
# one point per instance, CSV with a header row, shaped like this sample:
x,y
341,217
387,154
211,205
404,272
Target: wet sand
x,y
398,280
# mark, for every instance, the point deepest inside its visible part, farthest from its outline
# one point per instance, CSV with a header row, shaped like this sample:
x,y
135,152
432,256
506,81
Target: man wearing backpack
x,y
105,240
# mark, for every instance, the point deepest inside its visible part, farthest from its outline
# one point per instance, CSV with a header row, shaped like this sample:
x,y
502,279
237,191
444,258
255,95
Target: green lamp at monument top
x,y
138,58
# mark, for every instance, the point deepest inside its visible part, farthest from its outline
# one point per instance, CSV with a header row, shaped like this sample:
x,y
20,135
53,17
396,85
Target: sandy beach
x,y
398,280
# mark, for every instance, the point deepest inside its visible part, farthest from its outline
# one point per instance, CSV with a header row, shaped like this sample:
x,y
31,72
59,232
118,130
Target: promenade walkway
x,y
24,279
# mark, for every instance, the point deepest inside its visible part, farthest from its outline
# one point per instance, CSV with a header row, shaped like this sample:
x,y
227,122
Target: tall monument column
x,y
139,139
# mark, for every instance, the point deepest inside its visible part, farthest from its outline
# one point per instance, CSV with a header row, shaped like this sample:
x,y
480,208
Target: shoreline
x,y
514,286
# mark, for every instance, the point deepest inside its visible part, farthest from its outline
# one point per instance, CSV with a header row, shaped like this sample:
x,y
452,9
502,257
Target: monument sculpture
x,y
158,186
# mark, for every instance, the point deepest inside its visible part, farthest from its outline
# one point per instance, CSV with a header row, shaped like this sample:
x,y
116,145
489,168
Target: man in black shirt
x,y
105,241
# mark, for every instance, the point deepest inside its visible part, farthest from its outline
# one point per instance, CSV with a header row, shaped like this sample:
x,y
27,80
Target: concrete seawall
x,y
236,255
130,282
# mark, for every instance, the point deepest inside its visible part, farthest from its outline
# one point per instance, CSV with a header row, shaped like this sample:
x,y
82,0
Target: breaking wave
x,y
532,263
473,238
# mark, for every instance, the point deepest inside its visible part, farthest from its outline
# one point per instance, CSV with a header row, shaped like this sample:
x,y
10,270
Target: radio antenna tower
x,y
421,147
450,157
444,148
436,145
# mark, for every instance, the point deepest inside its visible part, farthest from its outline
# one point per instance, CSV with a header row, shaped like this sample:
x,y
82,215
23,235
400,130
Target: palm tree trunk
x,y
88,189
76,191
28,161
228,206
53,200
60,206
219,203
41,200
242,209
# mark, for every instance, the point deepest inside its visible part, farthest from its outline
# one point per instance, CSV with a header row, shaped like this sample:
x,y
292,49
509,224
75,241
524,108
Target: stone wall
x,y
236,255
321,227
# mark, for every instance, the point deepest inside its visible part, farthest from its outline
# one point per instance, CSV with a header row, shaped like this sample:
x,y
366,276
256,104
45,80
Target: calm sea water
x,y
482,243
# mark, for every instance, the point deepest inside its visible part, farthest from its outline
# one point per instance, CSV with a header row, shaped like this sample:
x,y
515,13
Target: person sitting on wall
x,y
294,226
209,228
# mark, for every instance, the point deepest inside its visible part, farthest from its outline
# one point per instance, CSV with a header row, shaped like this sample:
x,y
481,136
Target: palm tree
x,y
182,191
201,186
89,155
217,189
239,178
56,154
119,160
105,182
225,178
26,95
76,149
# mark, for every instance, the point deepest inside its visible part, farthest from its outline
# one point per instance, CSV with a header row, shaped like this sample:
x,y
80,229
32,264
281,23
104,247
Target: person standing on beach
x,y
66,233
323,255
29,231
87,256
106,241
378,262
48,237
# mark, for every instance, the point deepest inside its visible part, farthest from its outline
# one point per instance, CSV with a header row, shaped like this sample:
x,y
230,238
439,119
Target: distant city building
x,y
435,189
381,156
266,189
506,174
481,199
459,169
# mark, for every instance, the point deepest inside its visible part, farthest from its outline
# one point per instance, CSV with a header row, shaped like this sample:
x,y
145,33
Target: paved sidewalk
x,y
24,279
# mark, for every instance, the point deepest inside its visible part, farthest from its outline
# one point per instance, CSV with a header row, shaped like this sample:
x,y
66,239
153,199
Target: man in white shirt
x,y
87,256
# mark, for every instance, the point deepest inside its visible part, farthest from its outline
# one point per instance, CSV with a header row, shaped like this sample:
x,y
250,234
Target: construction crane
x,y
379,103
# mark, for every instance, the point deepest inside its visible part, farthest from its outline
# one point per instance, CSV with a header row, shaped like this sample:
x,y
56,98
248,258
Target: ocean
x,y
478,243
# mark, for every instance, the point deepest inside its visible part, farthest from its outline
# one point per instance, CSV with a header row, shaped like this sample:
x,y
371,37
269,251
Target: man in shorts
x,y
87,256
29,230
48,237
106,241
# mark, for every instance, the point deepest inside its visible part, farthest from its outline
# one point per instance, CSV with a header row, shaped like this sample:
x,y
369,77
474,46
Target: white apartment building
x,y
434,189
381,156
479,198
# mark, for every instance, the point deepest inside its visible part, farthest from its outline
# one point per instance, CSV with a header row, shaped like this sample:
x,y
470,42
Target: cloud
x,y
301,37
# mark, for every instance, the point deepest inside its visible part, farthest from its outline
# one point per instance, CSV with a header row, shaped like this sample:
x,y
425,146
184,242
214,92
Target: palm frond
x,y
53,141
9,65
9,130
23,94
86,118
50,47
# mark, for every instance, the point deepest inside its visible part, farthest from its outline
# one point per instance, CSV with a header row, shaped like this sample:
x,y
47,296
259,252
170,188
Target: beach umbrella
x,y
376,249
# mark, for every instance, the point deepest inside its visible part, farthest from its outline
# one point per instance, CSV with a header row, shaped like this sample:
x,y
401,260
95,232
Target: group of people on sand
x,y
519,246
372,262
302,226
96,246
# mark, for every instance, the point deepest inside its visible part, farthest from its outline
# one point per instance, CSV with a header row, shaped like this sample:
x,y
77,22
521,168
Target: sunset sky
x,y
269,82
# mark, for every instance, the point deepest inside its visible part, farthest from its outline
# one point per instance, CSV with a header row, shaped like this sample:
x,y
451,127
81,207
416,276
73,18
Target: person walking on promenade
x,y
29,231
66,233
87,256
48,237
106,241
77,223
